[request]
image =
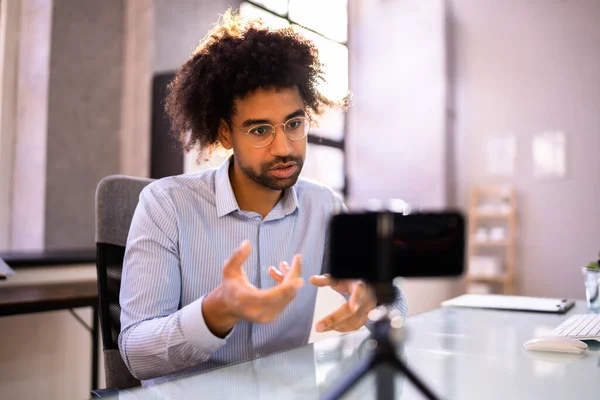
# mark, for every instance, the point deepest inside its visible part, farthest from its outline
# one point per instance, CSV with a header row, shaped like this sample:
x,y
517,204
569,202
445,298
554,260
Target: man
x,y
205,278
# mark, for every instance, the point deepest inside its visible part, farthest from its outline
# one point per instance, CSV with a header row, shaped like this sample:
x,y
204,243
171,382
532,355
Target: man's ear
x,y
225,135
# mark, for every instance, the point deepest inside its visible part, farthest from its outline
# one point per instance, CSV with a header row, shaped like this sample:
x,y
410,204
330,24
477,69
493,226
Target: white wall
x,y
29,157
179,26
177,32
397,126
525,67
396,135
136,108
9,39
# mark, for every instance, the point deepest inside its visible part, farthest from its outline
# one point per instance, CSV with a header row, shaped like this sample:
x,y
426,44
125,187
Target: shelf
x,y
488,278
491,205
499,243
489,215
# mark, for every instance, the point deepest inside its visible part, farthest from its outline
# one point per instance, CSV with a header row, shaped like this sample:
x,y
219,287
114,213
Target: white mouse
x,y
561,344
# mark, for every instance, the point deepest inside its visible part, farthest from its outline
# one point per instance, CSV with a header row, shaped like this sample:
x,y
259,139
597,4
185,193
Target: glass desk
x,y
459,353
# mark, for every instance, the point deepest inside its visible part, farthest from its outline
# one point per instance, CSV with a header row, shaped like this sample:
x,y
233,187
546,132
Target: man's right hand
x,y
237,299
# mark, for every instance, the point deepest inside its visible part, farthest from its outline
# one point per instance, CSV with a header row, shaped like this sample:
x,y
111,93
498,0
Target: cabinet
x,y
492,224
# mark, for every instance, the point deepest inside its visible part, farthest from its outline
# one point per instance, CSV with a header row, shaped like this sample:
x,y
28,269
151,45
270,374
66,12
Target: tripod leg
x,y
413,378
349,381
385,383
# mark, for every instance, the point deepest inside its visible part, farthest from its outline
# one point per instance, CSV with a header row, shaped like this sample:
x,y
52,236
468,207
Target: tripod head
x,y
380,246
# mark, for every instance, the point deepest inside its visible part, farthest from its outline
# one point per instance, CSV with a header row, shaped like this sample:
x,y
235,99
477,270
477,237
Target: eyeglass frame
x,y
306,118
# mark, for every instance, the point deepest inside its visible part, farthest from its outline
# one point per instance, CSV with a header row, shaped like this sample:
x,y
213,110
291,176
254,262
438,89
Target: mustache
x,y
284,160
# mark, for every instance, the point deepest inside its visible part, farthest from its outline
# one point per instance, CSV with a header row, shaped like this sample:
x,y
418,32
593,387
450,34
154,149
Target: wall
x,y
525,68
9,54
177,32
136,90
84,115
397,143
178,29
397,122
84,102
84,77
27,223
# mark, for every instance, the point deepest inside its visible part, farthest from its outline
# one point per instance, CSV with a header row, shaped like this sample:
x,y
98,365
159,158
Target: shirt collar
x,y
224,196
226,202
287,205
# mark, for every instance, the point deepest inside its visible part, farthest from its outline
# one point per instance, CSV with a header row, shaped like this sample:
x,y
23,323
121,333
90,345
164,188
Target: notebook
x,y
5,270
514,303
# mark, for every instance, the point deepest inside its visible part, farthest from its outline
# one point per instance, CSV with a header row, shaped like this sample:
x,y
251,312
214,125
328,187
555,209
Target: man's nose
x,y
280,146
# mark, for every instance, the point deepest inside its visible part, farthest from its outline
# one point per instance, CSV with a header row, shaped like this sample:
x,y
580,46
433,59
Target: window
x,y
326,24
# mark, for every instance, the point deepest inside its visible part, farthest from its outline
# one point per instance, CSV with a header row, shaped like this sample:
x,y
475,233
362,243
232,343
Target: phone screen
x,y
427,244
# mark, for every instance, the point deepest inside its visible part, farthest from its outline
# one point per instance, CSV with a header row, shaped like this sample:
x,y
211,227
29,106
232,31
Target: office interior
x,y
448,95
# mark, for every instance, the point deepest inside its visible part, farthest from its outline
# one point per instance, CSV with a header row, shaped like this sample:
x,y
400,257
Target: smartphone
x,y
379,246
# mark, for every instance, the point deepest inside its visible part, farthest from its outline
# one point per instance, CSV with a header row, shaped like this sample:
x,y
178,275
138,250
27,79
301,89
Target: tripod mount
x,y
384,351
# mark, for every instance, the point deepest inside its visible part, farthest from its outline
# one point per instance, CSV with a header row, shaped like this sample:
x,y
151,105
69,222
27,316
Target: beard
x,y
264,178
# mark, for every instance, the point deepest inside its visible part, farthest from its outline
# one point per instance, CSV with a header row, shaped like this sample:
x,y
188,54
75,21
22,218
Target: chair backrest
x,y
116,199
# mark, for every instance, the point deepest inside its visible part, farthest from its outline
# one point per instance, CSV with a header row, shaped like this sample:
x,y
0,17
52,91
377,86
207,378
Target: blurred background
x,y
490,107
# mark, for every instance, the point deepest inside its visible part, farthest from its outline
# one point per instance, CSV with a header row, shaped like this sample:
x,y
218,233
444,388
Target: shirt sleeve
x,y
157,336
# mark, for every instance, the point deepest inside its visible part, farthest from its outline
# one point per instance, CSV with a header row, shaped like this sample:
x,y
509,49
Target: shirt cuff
x,y
195,330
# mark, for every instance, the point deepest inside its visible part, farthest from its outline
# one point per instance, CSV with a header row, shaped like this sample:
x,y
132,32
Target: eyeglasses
x,y
294,129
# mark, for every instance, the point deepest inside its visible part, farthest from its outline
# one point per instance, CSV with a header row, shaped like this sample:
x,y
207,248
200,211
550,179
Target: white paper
x,y
501,153
549,155
5,269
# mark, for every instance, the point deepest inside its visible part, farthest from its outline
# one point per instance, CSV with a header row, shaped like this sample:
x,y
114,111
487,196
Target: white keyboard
x,y
580,326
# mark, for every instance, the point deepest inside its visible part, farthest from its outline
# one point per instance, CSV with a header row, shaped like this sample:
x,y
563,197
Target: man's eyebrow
x,y
250,122
298,113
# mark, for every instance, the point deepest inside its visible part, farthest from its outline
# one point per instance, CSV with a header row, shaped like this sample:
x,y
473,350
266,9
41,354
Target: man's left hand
x,y
354,313
350,316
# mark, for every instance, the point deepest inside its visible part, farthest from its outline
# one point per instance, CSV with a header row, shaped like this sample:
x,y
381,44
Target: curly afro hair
x,y
235,58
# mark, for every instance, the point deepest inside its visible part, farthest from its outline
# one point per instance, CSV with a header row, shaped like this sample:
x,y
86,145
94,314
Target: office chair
x,y
116,200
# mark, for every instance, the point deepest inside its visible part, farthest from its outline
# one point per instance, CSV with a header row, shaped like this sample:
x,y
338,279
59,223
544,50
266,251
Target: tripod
x,y
384,353
384,348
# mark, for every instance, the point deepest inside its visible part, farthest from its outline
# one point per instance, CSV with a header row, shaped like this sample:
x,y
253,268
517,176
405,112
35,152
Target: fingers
x,y
295,272
329,322
289,285
322,280
353,314
274,300
233,266
276,274
351,324
270,302
284,267
359,291
278,295
343,320
279,274
262,305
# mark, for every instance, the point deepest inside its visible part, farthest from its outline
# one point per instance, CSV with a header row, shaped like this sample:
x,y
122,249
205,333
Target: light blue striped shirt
x,y
183,230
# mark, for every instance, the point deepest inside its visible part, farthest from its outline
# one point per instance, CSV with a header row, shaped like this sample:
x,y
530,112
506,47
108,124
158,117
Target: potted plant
x,y
592,284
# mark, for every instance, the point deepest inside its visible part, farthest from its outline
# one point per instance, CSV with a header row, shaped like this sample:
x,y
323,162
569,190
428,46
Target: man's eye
x,y
260,130
294,124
